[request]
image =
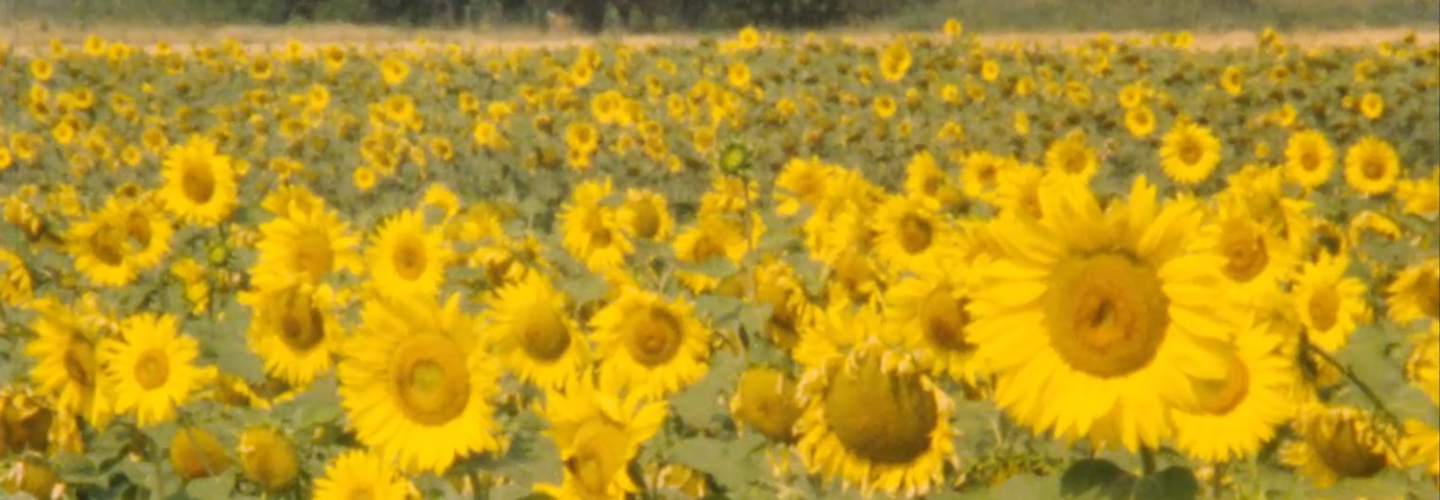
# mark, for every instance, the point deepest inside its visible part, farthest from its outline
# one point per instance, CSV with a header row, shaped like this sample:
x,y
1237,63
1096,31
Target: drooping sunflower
x,y
66,363
648,345
150,368
765,401
1189,153
598,432
1371,166
200,185
712,236
532,332
294,330
416,386
1329,303
928,308
1415,292
1333,444
870,418
1309,159
1239,413
644,214
1096,322
405,258
361,474
304,247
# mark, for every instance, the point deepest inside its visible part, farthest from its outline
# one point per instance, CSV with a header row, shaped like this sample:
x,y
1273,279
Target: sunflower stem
x,y
1359,384
1385,414
1217,481
1147,460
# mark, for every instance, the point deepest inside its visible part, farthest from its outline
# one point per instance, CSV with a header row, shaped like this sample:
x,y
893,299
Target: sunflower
x,y
650,346
930,309
200,183
598,433
909,233
764,400
644,214
268,459
280,201
894,61
1371,166
801,183
591,231
415,386
1371,106
533,333
1096,322
1140,121
295,330
16,284
361,474
1422,366
149,367
1335,443
1309,159
304,247
870,419
1239,413
712,236
1329,303
406,259
1189,153
66,366
146,229
980,175
1420,445
1071,156
102,249
1257,259
925,180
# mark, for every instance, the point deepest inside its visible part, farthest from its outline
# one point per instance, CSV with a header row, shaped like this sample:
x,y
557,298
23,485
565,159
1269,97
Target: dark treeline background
x,y
691,15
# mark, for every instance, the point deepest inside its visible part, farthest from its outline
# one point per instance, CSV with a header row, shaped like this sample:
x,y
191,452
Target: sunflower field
x,y
756,267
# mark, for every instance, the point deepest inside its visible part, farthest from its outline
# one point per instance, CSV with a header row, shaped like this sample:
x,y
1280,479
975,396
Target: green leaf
x,y
698,404
714,267
733,463
1091,477
1027,486
584,287
218,486
1173,483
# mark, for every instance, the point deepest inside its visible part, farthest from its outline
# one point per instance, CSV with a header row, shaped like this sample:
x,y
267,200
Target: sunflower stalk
x,y
1147,460
1386,416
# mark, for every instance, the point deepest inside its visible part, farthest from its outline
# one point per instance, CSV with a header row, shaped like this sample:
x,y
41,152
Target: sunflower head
x,y
267,459
765,400
196,453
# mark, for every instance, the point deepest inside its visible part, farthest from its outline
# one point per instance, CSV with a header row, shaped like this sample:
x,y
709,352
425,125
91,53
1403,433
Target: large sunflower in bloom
x,y
415,384
871,419
1096,322
531,331
1371,166
1309,159
406,259
200,183
929,309
598,433
648,345
149,367
910,232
